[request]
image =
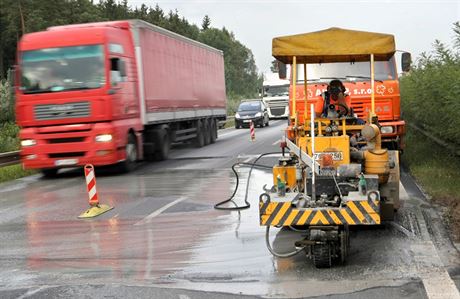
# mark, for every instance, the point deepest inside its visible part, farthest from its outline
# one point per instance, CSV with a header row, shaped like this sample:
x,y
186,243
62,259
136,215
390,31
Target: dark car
x,y
254,111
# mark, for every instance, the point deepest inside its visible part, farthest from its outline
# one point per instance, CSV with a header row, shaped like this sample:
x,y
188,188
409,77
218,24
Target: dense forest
x,y
18,17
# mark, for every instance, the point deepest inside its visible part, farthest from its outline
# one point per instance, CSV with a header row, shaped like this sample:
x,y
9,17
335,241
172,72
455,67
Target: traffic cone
x,y
252,131
95,208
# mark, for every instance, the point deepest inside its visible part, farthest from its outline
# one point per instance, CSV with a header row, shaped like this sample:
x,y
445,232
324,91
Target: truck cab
x,y
275,94
76,96
356,79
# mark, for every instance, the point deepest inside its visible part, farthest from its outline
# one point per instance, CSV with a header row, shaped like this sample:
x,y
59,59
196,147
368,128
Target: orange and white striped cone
x,y
252,131
91,185
93,199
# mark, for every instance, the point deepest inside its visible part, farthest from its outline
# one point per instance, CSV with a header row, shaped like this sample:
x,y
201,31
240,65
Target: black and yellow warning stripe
x,y
364,212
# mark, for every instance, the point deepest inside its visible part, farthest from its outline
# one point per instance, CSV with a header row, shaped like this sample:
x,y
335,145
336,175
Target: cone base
x,y
95,211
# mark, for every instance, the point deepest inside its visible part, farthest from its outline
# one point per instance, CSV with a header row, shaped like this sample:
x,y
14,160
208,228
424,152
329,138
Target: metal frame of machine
x,y
336,173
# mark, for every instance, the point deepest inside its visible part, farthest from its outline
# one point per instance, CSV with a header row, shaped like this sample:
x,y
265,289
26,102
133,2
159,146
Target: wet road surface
x,y
163,239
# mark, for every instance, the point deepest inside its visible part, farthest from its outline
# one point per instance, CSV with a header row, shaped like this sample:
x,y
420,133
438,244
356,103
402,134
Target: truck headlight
x,y
237,115
104,138
258,114
386,129
28,142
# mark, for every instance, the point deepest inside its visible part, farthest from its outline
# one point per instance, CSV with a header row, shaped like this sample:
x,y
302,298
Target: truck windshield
x,y
358,71
62,69
272,91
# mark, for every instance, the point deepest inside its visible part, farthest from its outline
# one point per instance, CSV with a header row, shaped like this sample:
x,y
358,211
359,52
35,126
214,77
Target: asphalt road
x,y
163,239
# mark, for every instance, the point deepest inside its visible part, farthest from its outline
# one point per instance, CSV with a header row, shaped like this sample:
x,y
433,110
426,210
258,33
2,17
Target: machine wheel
x,y
162,144
344,244
49,173
268,121
199,139
213,131
131,155
322,255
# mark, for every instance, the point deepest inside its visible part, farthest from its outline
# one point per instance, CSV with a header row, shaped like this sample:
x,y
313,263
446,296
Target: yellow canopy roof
x,y
333,45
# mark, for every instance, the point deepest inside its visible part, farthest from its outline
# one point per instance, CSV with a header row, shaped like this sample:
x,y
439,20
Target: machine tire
x,y
131,155
322,255
213,131
268,122
163,145
344,244
49,173
199,139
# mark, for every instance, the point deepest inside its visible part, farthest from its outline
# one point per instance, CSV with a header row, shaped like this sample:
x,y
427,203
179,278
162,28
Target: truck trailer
x,y
114,93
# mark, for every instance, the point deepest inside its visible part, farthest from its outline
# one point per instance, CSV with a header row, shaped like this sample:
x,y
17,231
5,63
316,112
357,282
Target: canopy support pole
x,y
305,90
294,81
372,89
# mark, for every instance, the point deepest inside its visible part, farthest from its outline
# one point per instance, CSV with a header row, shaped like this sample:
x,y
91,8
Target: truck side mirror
x,y
281,70
406,61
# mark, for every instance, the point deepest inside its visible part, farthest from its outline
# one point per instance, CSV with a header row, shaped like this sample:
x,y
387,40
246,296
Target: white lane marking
x,y
439,285
182,296
149,217
32,292
248,160
403,195
276,142
436,280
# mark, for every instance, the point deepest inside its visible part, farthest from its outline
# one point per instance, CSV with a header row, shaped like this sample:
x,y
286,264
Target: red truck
x,y
114,93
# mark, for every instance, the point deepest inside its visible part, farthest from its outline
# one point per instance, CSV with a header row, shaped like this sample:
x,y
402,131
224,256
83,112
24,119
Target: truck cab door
x,y
121,101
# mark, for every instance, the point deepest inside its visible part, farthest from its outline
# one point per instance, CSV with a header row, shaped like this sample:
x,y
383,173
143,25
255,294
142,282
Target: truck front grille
x,y
66,140
274,103
62,111
67,155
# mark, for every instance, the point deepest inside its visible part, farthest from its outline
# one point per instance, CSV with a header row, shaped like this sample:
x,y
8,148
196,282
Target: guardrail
x,y
9,158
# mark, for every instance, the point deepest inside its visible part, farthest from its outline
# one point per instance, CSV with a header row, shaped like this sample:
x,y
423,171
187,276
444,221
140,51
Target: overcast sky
x,y
415,23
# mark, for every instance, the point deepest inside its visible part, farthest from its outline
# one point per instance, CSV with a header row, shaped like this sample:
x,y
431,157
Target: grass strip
x,y
13,172
437,170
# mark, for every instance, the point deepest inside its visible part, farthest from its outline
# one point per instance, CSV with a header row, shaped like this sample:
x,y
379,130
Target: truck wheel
x,y
207,132
131,155
49,173
162,144
213,131
199,139
322,255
